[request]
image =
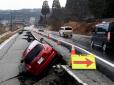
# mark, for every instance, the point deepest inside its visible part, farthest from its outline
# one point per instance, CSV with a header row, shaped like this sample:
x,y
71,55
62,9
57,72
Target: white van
x,y
66,31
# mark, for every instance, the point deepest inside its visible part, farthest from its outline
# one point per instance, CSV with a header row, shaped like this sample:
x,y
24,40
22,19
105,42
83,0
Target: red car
x,y
38,57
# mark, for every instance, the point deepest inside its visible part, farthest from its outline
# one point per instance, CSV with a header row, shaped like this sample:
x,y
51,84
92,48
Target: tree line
x,y
102,8
91,8
76,10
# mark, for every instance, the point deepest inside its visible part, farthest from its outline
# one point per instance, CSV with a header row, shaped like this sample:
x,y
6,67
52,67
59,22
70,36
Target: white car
x,y
66,31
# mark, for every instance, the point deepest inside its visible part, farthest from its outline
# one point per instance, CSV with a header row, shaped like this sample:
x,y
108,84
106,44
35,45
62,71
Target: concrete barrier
x,y
5,46
104,66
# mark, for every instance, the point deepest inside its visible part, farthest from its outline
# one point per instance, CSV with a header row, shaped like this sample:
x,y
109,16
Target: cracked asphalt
x,y
91,77
11,60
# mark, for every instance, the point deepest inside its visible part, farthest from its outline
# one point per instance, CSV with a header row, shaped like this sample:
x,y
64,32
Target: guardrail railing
x,y
103,65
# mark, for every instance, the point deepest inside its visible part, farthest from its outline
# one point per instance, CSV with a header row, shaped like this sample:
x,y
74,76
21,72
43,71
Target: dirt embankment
x,y
84,28
81,27
8,34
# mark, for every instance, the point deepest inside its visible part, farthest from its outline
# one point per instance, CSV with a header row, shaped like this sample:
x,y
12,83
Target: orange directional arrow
x,y
88,62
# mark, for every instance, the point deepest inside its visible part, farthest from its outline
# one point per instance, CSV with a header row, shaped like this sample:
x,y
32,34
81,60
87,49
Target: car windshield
x,y
33,53
68,28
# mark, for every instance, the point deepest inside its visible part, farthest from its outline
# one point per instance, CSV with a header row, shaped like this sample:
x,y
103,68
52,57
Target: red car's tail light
x,y
28,67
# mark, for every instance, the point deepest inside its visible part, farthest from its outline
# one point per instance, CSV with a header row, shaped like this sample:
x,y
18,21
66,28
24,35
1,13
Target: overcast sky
x,y
20,4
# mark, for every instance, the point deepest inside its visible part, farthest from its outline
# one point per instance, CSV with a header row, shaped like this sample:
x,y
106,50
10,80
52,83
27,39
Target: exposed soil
x,y
52,78
82,27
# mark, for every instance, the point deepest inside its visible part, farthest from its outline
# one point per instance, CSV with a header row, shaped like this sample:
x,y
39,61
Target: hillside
x,y
86,8
19,14
78,9
82,15
83,28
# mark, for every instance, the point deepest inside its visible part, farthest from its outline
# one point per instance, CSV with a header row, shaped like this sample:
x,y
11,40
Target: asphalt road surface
x,y
90,77
10,60
10,56
84,42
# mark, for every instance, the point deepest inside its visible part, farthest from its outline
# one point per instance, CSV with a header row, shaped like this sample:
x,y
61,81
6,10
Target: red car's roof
x,y
32,45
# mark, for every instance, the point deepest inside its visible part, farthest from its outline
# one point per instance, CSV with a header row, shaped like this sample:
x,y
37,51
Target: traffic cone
x,y
58,41
73,52
48,36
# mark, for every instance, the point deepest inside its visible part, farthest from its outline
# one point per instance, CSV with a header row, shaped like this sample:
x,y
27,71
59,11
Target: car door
x,y
111,31
93,35
100,36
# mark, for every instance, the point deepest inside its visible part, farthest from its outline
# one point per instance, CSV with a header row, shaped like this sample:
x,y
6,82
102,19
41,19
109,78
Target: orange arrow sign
x,y
83,62
88,62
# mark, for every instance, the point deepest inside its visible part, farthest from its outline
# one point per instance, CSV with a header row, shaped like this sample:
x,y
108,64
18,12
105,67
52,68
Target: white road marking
x,y
101,59
70,72
73,75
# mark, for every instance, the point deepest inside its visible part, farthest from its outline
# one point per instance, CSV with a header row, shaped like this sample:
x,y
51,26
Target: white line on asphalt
x,y
73,75
101,59
70,72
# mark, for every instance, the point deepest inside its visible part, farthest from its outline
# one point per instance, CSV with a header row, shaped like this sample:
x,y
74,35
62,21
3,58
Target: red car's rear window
x,y
33,53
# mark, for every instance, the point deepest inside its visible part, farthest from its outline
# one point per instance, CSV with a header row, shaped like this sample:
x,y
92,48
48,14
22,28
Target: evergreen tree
x,y
102,8
109,9
77,9
56,10
45,10
56,17
56,4
98,7
40,22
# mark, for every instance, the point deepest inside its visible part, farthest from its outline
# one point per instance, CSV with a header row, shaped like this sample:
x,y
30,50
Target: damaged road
x,y
10,59
94,77
9,72
55,76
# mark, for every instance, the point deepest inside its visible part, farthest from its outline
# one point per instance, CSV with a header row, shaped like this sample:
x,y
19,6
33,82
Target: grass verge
x,y
7,35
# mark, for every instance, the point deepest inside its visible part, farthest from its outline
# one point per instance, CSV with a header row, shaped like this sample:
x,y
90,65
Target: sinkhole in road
x,y
52,76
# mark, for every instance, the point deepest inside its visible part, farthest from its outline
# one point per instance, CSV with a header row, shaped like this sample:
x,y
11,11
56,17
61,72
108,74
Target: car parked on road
x,y
41,30
103,36
66,31
38,57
